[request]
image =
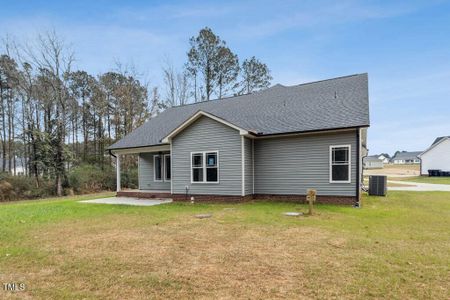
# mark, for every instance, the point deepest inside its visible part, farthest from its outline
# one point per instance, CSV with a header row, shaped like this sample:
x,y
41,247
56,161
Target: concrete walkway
x,y
418,187
129,201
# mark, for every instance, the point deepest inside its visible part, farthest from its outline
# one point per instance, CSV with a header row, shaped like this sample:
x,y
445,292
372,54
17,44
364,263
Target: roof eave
x,y
311,131
433,146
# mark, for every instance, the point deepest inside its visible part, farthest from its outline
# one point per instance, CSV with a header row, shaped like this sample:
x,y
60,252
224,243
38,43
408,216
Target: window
x,y
157,164
211,167
340,164
167,168
205,167
197,167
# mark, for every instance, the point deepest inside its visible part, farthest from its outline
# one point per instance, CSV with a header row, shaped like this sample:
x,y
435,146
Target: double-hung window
x,y
205,167
167,168
162,167
340,164
157,166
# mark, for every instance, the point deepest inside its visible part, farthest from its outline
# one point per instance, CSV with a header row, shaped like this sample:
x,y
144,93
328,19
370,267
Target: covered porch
x,y
154,171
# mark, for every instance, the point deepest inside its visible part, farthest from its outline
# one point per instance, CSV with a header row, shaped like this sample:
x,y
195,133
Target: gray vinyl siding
x,y
248,153
146,174
206,134
290,165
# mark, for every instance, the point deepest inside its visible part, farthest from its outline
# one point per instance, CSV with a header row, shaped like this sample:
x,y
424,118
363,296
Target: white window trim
x,y
204,167
154,168
165,169
171,169
349,164
243,164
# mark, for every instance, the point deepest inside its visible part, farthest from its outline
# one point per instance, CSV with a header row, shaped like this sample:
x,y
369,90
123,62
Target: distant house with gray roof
x,y
405,157
275,143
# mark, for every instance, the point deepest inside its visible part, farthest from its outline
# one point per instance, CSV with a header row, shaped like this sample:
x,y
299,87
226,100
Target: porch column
x,y
117,172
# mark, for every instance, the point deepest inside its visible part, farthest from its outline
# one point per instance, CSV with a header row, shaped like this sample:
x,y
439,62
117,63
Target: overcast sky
x,y
403,45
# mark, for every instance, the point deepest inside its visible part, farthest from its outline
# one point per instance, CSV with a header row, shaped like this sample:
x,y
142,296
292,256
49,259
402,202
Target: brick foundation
x,y
212,198
341,200
142,194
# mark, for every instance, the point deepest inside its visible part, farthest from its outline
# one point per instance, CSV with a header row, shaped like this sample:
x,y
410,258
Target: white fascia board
x,y
157,148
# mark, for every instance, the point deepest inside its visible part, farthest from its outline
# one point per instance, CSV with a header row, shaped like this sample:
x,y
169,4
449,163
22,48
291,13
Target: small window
x,y
340,164
211,167
167,168
157,163
205,167
197,167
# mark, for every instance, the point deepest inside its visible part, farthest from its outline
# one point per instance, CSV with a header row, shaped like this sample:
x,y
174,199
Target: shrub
x,y
88,178
129,178
26,188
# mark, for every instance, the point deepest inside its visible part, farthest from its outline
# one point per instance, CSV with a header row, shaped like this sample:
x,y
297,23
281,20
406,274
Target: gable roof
x,y
436,142
194,118
323,105
407,155
439,139
373,158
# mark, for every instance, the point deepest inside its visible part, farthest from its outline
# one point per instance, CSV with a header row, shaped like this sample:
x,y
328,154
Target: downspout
x,y
358,168
110,153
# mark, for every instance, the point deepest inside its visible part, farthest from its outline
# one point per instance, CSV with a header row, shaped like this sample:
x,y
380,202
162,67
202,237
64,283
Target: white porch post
x,y
117,172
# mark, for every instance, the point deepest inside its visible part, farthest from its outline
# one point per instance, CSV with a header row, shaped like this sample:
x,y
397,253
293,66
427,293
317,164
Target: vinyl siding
x,y
248,153
146,174
437,158
206,134
291,165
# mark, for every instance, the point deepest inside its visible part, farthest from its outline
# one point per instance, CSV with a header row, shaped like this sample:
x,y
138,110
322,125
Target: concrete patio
x,y
129,201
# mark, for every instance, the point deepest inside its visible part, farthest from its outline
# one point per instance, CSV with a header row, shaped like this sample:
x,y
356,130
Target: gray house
x,y
372,162
275,144
405,157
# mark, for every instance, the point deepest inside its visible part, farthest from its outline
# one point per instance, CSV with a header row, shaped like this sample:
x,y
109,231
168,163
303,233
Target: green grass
x,y
394,247
425,179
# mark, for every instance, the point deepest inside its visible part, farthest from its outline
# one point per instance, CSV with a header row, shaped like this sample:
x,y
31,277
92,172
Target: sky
x,y
404,46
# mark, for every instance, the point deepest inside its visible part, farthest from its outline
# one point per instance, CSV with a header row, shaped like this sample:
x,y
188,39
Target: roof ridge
x,y
323,80
273,86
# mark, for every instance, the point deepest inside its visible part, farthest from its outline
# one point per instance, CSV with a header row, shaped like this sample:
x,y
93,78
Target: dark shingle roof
x,y
437,140
406,155
329,104
371,158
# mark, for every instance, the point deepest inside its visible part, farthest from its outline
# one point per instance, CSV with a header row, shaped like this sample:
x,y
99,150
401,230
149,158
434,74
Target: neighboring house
x,y
437,156
384,158
372,162
405,157
276,143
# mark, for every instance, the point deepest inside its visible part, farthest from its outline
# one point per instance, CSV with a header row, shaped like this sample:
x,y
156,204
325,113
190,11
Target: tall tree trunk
x,y
3,130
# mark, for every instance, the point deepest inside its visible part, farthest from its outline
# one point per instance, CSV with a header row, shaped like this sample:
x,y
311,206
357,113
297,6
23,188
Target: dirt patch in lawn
x,y
395,170
190,258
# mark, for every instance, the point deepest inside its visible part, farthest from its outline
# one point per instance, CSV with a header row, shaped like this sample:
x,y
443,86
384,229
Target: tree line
x,y
54,116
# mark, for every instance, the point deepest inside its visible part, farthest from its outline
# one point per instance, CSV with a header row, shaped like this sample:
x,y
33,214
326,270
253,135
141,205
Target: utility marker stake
x,y
311,198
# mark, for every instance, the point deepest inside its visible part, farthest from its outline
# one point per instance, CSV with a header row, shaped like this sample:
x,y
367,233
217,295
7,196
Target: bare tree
x,y
53,58
176,85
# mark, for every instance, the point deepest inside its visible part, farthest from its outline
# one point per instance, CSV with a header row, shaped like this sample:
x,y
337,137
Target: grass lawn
x,y
395,247
424,179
